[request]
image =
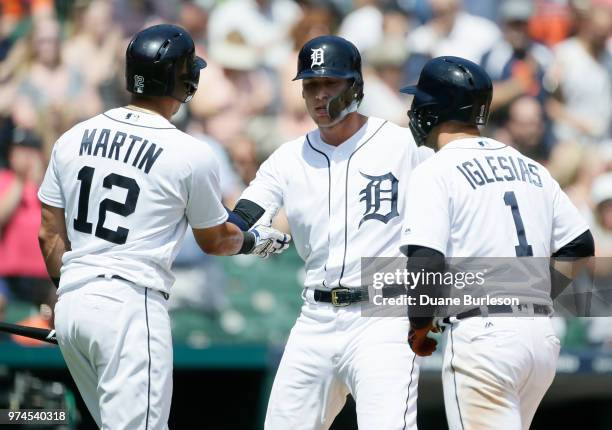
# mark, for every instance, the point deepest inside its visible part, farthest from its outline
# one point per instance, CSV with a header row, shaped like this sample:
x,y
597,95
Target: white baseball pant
x,y
335,351
115,338
496,371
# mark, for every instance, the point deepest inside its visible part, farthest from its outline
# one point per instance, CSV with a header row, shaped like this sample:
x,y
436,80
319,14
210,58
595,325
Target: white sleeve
x,y
204,206
568,224
50,191
427,215
267,188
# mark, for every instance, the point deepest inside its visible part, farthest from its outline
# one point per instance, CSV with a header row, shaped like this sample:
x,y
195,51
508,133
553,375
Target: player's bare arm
x,y
53,239
224,239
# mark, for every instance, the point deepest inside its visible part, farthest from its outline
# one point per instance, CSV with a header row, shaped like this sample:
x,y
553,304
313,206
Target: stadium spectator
x,y
236,92
286,117
265,25
487,9
133,15
600,329
94,50
382,78
601,197
450,31
21,263
524,129
6,136
15,11
575,167
53,96
581,78
313,23
13,58
4,293
4,303
194,16
364,25
41,319
243,153
552,21
516,63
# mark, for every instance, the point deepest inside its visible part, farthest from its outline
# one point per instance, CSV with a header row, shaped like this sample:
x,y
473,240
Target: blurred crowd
x,y
62,61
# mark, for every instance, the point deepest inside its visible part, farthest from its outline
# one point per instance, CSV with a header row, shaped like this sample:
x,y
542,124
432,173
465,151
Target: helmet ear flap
x,y
422,121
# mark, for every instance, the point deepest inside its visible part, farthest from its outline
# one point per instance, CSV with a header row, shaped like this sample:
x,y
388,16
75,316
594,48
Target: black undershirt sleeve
x,y
425,260
581,247
245,214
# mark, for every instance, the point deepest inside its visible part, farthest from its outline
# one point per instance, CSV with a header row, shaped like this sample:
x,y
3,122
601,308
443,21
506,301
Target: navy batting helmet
x,y
449,89
333,57
161,61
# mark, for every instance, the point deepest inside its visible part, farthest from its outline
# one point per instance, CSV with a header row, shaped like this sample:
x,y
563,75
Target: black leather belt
x,y
501,309
342,296
121,278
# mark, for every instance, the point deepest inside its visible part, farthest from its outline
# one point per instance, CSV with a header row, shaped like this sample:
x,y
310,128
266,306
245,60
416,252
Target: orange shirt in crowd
x,y
34,321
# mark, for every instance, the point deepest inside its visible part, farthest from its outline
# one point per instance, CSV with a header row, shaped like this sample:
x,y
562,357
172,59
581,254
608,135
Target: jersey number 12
x,y
523,249
126,208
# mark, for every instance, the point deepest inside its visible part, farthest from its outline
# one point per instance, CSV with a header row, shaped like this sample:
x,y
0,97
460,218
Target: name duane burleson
x,y
458,280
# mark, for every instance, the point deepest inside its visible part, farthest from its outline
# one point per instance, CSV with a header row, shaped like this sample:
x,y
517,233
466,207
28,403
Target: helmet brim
x,y
200,63
423,96
324,73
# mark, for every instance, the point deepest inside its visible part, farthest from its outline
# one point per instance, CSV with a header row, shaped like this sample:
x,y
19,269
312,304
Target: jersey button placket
x,y
336,221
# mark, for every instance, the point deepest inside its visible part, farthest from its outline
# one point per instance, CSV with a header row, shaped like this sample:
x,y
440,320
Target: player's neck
x,y
344,130
165,106
449,132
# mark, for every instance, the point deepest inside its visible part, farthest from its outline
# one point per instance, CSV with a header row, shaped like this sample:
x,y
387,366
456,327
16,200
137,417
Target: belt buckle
x,y
334,296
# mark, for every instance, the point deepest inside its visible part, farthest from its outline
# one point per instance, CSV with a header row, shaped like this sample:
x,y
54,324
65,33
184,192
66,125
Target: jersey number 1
x,y
118,236
523,249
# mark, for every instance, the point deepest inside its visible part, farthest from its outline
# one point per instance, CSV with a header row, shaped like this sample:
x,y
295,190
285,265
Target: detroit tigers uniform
x,y
343,203
477,197
129,183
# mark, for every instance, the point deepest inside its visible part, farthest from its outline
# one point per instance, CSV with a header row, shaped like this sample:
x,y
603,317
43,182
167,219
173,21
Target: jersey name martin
x,y
118,145
479,171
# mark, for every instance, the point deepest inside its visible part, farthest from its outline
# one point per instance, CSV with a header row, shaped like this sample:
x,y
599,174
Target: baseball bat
x,y
43,334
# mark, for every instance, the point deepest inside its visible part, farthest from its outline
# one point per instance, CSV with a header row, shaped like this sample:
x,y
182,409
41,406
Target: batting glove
x,y
420,343
268,240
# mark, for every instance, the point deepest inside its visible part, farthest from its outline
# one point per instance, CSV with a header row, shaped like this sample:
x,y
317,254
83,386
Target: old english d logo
x,y
317,57
380,197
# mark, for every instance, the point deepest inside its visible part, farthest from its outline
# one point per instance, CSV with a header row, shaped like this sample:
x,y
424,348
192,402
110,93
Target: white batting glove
x,y
268,240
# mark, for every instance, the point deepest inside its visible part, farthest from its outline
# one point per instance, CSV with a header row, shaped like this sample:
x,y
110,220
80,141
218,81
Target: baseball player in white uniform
x,y
477,197
118,194
342,186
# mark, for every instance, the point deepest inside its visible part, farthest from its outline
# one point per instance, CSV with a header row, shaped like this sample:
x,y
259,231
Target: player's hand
x,y
268,240
420,343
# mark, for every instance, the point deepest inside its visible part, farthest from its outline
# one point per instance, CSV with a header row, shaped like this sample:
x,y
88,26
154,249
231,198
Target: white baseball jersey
x,y
343,203
478,197
129,182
